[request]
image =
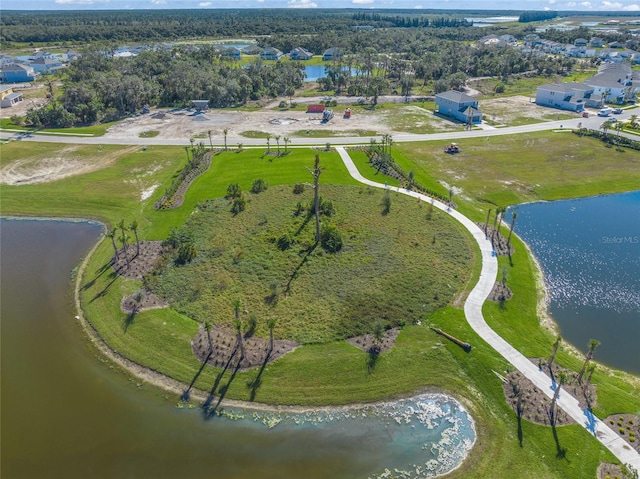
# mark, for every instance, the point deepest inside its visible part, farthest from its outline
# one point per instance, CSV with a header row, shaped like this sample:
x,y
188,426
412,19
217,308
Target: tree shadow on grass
x,y
561,452
255,384
186,394
295,272
207,410
372,358
99,272
113,275
519,411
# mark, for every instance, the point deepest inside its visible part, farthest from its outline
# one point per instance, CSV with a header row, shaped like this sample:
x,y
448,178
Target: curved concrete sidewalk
x,y
473,314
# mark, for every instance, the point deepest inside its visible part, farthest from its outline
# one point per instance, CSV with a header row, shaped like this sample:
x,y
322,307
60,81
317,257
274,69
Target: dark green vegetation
x,y
336,373
397,268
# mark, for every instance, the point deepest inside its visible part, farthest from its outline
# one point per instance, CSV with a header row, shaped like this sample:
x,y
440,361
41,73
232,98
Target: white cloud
x,y
159,2
361,2
417,7
585,4
205,4
634,7
260,1
571,4
612,5
302,4
551,2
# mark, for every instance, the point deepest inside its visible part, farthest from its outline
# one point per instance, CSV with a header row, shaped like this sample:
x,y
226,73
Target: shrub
x,y
327,208
186,253
298,188
299,209
282,104
386,202
239,204
259,185
234,190
285,241
331,239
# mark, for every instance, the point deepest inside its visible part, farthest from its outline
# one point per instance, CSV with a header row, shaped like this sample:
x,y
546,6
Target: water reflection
x,y
589,250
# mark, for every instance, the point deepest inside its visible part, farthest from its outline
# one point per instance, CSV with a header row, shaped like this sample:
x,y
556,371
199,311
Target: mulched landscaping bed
x,y
498,241
142,300
627,426
223,341
138,264
500,292
535,404
367,341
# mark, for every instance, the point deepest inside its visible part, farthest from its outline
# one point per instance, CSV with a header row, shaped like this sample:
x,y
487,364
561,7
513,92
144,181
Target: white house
x,y
615,82
571,96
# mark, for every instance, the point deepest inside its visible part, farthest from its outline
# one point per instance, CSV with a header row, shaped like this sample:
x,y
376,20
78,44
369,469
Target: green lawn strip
x,y
519,168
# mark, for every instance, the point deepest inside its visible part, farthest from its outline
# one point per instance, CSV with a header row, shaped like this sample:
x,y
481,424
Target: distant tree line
x,y
405,21
102,88
526,17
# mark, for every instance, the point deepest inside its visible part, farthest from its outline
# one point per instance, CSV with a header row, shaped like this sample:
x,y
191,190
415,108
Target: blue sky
x,y
560,5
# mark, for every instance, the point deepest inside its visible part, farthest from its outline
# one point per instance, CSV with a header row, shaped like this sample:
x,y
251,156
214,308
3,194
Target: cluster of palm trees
x,y
562,377
286,141
499,215
122,229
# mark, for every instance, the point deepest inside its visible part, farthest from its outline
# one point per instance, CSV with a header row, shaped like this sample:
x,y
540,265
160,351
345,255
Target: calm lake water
x,y
67,414
318,71
589,250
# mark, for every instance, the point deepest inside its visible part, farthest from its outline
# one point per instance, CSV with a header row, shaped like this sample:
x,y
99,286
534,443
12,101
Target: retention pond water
x,y
589,250
67,413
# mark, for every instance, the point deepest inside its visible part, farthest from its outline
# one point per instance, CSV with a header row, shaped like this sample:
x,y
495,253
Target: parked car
x,y
617,111
604,112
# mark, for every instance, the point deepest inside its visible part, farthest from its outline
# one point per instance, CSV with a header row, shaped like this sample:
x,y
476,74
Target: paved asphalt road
x,y
593,122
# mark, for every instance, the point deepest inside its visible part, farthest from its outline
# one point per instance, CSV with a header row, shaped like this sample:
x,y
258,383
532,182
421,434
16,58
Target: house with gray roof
x,y
571,96
46,65
615,82
271,53
332,54
300,53
459,106
17,73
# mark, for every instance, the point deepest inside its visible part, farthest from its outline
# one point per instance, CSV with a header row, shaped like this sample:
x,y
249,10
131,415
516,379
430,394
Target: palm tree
x,y
238,325
590,369
268,144
633,121
562,379
112,234
555,350
123,238
286,141
502,211
593,344
316,198
277,137
210,142
207,328
134,227
186,150
486,223
271,323
225,131
514,215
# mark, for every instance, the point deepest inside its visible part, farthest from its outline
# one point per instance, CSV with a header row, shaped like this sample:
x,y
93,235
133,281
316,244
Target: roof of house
x,y
4,88
333,51
566,87
16,67
611,75
456,96
13,96
46,61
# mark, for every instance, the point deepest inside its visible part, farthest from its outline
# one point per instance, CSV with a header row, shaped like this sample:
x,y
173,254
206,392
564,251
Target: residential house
x,y
45,65
615,82
596,42
17,73
332,54
616,45
252,50
581,52
8,97
532,39
300,53
271,53
459,106
571,96
232,53
580,42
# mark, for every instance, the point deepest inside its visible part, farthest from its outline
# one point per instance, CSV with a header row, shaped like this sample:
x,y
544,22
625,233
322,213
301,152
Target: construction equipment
x,y
452,149
327,115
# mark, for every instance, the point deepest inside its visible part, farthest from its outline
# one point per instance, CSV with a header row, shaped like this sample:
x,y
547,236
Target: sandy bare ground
x,y
506,110
184,123
31,170
34,97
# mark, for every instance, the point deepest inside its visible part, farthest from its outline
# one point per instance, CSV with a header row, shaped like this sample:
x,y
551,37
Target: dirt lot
x,y
184,123
34,97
